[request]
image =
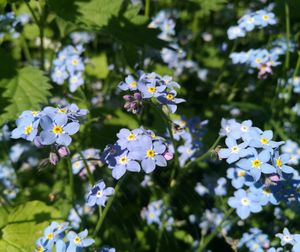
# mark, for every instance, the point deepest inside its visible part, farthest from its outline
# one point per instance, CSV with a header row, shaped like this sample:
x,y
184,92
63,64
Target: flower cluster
x,y
151,85
55,235
136,149
256,163
10,23
99,194
8,180
211,219
261,59
258,19
175,57
292,148
156,212
190,133
69,65
255,240
89,157
82,37
57,125
164,21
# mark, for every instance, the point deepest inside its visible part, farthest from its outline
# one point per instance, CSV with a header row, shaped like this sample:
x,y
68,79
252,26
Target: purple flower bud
x,y
127,98
37,142
168,155
137,96
53,158
274,177
63,151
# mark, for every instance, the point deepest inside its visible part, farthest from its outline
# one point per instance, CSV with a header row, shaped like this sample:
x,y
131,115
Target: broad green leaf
x,y
25,224
89,13
97,66
26,90
31,31
2,4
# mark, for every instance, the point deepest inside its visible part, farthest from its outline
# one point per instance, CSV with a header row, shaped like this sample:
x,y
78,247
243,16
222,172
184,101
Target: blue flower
x,y
149,153
151,89
234,151
26,129
235,32
280,161
245,203
153,212
129,138
99,194
75,81
59,75
239,177
123,163
263,140
286,237
57,130
257,164
129,84
78,241
169,99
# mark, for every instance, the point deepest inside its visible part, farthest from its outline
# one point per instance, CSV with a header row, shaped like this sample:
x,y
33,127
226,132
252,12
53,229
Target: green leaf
x,y
2,4
97,66
184,236
89,13
25,224
207,6
26,90
31,31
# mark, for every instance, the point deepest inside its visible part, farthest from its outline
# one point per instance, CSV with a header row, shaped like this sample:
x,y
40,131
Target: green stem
x,y
90,175
25,48
208,239
71,180
147,8
206,154
103,214
288,35
161,231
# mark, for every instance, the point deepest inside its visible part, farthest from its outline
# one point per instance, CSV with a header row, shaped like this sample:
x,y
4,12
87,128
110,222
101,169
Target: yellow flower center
x,y
235,149
189,151
34,113
244,128
50,236
258,60
245,201
265,17
266,191
170,97
77,164
264,140
99,193
278,162
133,84
256,163
57,130
123,160
62,110
151,215
150,153
250,20
77,240
75,62
39,249
241,173
28,129
151,90
131,137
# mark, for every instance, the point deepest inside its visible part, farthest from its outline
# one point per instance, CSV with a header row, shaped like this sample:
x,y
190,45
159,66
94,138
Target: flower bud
x,y
53,158
63,151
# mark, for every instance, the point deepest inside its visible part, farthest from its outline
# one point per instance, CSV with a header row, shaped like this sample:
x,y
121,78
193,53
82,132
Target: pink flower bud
x,y
168,155
63,151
